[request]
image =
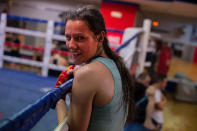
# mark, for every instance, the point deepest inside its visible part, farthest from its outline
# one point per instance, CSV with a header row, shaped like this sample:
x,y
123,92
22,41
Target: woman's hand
x,y
73,70
64,76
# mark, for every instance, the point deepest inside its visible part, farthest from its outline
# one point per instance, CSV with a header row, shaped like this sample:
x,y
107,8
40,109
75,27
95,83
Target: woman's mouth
x,y
75,54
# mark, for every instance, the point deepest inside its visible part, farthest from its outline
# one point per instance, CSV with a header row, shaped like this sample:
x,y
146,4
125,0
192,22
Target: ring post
x,y
144,45
3,22
47,48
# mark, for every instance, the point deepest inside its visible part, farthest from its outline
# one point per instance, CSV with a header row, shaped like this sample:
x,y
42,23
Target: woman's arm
x,y
62,111
82,95
83,92
61,106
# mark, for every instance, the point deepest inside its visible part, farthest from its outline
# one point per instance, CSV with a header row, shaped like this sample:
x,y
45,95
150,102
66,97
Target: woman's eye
x,y
79,38
68,38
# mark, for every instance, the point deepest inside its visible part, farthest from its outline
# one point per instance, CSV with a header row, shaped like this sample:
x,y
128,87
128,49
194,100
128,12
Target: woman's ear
x,y
101,36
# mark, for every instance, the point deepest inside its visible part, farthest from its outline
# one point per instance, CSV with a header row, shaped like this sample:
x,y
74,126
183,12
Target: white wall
x,y
169,24
38,9
43,9
183,39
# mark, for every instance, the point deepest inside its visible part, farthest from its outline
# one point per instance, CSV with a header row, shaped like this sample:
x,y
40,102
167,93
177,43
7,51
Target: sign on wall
x,y
118,16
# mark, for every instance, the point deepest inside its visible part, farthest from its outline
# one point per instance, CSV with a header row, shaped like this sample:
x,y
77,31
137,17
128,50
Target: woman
x,y
101,91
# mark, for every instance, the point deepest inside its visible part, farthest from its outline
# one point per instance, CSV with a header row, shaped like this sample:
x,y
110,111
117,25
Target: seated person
x,y
59,60
141,84
144,109
37,56
15,50
159,83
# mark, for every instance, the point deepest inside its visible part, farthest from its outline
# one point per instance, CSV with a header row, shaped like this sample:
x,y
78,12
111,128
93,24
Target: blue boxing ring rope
x,y
29,116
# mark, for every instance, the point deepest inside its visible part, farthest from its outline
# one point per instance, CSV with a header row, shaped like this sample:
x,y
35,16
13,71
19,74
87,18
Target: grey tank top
x,y
109,117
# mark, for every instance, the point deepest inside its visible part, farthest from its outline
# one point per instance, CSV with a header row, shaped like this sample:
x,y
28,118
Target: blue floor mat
x,y
19,89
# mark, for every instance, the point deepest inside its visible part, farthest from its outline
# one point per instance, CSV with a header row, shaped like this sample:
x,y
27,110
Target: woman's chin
x,y
78,62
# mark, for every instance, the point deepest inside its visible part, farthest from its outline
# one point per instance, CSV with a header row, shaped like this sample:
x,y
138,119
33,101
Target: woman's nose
x,y
72,44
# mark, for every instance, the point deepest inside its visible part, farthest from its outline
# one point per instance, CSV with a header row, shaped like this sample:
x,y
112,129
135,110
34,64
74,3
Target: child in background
x,y
159,83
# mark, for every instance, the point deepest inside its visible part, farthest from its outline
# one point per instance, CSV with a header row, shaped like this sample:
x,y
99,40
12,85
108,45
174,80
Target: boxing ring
x,y
27,118
18,89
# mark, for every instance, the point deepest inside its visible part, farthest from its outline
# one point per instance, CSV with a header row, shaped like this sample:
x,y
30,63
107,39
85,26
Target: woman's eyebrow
x,y
78,33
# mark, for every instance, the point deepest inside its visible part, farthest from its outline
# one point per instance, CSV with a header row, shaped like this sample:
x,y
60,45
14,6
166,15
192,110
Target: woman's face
x,y
80,40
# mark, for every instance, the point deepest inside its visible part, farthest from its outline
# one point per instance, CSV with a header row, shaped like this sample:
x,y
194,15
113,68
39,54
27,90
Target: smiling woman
x,y
101,96
81,42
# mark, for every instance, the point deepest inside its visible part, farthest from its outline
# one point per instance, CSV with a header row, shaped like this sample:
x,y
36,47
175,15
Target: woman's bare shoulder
x,y
89,69
85,81
89,73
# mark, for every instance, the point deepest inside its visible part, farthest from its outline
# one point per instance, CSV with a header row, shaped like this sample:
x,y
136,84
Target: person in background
x,y
59,60
159,83
15,48
145,108
141,84
37,56
164,59
14,43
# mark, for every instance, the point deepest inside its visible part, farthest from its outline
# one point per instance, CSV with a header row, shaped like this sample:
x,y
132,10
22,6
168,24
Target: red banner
x,y
118,16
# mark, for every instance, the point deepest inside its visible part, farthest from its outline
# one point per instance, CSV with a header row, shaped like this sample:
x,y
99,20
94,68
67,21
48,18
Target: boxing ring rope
x,y
29,116
127,42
